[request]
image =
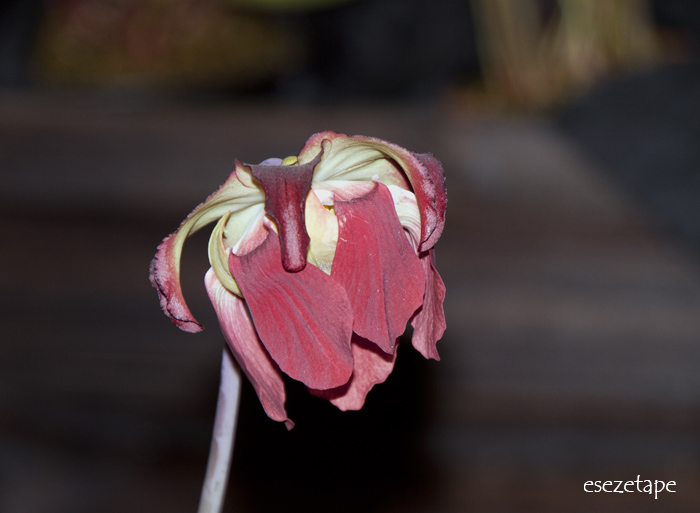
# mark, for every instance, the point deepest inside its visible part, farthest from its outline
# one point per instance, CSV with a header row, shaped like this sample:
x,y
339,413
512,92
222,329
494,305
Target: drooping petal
x,y
286,188
249,352
372,366
377,266
361,158
237,193
429,322
304,319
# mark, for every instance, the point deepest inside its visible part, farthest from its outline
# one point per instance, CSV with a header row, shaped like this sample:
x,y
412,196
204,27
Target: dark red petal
x,y
304,318
249,352
286,188
377,266
429,322
372,366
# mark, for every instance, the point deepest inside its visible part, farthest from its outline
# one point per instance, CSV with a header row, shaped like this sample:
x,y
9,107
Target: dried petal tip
x,y
165,278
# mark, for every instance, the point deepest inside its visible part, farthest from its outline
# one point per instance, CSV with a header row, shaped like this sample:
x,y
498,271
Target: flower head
x,y
332,254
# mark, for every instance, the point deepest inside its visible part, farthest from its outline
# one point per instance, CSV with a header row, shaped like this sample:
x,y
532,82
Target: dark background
x,y
570,255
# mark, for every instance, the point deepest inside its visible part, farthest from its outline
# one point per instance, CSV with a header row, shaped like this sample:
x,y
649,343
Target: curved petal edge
x,y
372,367
429,321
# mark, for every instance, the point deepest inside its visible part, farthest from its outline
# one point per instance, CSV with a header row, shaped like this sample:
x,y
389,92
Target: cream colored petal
x,y
322,227
407,210
241,224
218,257
356,160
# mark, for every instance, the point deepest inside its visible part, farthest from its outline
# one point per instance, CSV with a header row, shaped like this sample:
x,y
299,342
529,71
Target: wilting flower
x,y
331,252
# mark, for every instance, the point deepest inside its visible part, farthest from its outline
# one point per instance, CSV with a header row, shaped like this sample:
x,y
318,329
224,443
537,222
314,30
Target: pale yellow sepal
x,y
322,227
218,256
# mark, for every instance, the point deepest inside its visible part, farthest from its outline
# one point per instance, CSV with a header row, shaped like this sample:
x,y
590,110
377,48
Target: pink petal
x,y
375,263
429,322
286,188
304,318
372,366
250,354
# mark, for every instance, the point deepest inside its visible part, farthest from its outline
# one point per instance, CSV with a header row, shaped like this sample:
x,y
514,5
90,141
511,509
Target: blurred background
x,y
569,131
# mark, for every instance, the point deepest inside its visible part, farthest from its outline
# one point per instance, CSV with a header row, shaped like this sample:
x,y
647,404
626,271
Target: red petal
x,y
372,366
375,263
304,318
429,322
250,354
286,188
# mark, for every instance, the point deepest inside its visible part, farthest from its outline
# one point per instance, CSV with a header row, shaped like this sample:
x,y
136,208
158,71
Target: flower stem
x,y
214,488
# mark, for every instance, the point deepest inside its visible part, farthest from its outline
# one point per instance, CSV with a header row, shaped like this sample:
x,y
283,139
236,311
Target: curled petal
x,y
286,188
429,322
249,352
432,198
377,266
237,193
372,366
350,159
407,210
218,257
362,158
304,318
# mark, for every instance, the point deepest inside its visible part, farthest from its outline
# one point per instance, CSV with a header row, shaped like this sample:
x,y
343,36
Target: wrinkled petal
x,y
249,352
304,319
286,188
361,158
429,322
431,195
372,366
377,266
236,194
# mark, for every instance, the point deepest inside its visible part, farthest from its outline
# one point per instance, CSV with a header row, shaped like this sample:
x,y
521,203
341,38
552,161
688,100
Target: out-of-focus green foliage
x,y
536,59
163,42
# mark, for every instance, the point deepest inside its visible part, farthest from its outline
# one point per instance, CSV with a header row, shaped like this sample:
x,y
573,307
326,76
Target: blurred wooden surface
x,y
571,353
